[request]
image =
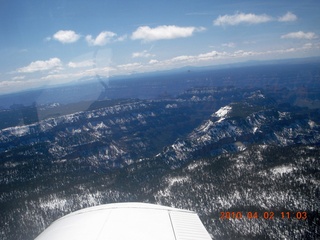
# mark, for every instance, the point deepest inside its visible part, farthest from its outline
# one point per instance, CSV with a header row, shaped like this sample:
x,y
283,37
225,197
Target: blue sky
x,y
45,42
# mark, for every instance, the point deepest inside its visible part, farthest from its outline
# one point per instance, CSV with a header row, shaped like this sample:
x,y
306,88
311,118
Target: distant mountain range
x,y
173,82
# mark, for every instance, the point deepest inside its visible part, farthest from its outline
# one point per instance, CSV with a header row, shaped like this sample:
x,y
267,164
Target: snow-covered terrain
x,y
208,150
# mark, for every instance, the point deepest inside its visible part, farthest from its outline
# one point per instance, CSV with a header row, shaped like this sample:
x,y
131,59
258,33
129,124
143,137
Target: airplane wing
x,y
122,221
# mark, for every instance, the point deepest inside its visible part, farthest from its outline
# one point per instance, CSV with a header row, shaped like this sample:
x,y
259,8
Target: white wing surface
x,y
122,221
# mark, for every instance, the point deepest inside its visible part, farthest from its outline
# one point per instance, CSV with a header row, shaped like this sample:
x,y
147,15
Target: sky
x,y
44,42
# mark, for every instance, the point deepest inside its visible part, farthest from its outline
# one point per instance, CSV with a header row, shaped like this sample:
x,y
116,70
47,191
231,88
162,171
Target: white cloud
x,y
164,32
143,54
67,36
230,45
153,61
104,71
18,78
240,18
41,65
210,55
308,46
122,38
102,39
251,18
183,58
194,58
82,64
129,66
300,35
288,17
242,53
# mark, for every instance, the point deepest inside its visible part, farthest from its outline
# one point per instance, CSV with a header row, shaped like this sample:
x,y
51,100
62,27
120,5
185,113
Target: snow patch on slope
x,y
222,112
282,170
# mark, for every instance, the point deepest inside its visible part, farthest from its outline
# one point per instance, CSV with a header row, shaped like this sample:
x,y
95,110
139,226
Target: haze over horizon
x,y
47,43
